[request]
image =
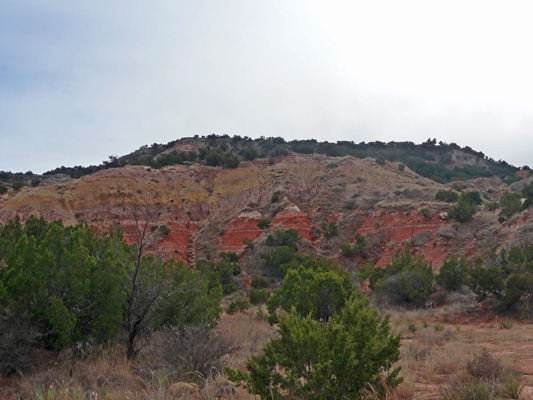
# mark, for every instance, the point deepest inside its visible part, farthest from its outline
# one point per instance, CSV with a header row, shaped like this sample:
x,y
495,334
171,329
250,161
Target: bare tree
x,y
142,286
158,293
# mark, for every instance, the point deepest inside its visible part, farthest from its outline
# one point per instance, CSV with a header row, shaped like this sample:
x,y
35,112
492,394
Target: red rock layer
x,y
398,227
292,218
242,227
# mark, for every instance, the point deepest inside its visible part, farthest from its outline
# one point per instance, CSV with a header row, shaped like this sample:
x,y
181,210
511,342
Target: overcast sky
x,y
82,80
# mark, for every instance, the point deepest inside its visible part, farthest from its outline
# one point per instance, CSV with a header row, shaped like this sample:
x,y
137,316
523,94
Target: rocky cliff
x,y
212,209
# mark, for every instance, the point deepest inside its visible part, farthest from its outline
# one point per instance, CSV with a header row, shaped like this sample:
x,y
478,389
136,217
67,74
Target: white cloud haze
x,y
82,80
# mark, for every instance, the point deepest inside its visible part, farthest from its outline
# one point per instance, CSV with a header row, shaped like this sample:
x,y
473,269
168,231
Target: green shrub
x,y
263,223
317,360
448,196
463,211
457,187
358,248
17,185
407,280
289,238
347,250
231,160
487,282
220,273
165,230
424,212
527,193
276,258
330,230
75,286
3,189
472,197
453,273
259,296
516,286
214,157
259,282
506,277
510,204
249,243
493,206
314,288
238,305
230,256
250,153
275,198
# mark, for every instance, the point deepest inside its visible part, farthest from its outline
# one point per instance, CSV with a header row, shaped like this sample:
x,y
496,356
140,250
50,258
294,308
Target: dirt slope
x,y
210,209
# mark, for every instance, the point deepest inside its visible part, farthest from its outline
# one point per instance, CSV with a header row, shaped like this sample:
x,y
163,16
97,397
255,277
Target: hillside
x,y
357,212
213,209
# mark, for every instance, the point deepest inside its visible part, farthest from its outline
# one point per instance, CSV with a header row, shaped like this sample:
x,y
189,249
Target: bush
x,y
190,349
289,238
487,282
220,273
238,305
214,158
472,197
263,223
231,161
506,277
316,360
510,204
77,287
249,243
486,379
259,282
453,273
18,339
516,286
259,296
314,289
463,211
493,206
275,198
3,189
17,185
276,258
358,248
250,153
527,193
330,230
449,196
165,230
230,256
407,280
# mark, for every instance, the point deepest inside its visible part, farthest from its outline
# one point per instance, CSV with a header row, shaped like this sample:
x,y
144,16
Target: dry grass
x,y
248,331
436,364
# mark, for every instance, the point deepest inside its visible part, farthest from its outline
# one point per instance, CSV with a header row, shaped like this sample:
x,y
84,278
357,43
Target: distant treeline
x,y
430,159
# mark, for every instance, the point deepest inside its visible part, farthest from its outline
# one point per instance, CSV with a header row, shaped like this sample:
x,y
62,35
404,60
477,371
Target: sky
x,y
83,80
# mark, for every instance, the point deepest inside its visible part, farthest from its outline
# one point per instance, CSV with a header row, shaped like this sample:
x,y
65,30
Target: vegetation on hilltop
x,y
437,161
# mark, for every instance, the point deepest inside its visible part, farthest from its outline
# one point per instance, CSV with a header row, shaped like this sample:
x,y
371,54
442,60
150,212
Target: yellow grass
x,y
430,361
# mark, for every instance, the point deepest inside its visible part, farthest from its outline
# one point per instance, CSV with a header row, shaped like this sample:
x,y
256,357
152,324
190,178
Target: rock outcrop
x,y
214,209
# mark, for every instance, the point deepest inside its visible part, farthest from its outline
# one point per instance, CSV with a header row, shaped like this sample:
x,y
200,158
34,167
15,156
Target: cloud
x,y
81,81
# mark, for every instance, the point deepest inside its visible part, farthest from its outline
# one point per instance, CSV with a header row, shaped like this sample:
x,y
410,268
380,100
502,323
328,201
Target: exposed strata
x,y
214,209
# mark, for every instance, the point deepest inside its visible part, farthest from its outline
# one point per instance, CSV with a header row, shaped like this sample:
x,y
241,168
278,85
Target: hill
x,y
204,210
